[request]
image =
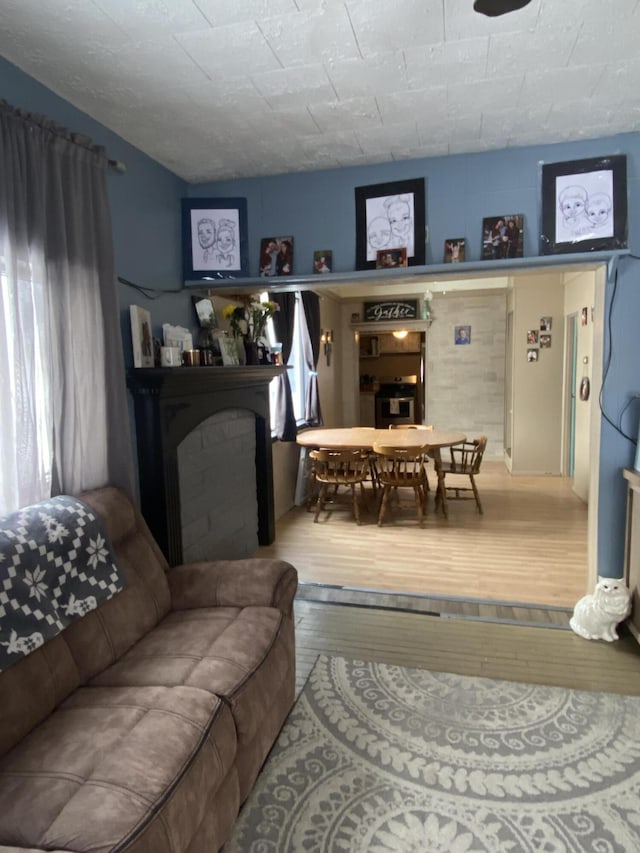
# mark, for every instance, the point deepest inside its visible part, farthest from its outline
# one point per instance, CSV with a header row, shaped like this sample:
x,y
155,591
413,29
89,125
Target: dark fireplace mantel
x,y
169,403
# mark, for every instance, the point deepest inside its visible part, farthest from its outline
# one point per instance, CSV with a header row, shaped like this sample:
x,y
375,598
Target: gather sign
x,y
399,309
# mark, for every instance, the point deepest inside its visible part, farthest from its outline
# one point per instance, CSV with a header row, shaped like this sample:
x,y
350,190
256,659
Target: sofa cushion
x,y
102,636
236,653
143,762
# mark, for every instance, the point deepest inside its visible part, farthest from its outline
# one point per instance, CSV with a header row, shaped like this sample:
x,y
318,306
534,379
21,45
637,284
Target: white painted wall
x,y
537,386
579,293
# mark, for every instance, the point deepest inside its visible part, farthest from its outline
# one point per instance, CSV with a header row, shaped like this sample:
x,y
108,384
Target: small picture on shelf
x,y
323,261
141,338
390,258
454,250
276,256
502,237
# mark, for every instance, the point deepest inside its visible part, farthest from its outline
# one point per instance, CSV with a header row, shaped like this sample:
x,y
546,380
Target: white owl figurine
x,y
596,615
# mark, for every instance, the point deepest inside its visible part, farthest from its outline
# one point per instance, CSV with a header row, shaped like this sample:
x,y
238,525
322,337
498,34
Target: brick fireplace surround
x,y
169,404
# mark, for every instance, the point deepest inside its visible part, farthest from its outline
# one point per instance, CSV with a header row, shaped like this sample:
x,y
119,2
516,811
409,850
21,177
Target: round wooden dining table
x,y
363,438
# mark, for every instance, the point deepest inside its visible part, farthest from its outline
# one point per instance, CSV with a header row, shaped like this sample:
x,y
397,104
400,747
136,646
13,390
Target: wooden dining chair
x,y
465,461
402,469
335,468
419,427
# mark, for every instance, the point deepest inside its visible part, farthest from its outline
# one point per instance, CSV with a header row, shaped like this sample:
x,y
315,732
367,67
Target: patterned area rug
x,y
381,758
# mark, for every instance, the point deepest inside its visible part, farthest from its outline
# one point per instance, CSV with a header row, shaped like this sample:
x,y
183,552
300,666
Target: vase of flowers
x,y
248,322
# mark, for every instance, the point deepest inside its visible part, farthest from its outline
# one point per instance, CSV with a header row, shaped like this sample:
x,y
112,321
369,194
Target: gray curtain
x,y
312,410
55,216
283,321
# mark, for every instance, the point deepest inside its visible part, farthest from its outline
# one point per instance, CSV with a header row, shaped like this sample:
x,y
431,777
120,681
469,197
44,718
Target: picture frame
x,y
584,205
532,336
214,239
229,351
276,256
141,336
461,335
455,250
545,341
390,216
532,355
502,237
323,261
545,324
391,258
205,312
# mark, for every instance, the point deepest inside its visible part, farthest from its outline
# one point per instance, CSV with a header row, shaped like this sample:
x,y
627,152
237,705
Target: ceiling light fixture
x,y
400,334
494,8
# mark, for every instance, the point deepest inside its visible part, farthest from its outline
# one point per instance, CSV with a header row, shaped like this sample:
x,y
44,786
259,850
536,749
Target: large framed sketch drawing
x,y
584,205
214,239
390,216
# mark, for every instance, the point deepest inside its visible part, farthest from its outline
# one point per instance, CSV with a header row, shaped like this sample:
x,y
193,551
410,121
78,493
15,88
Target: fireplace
x,y
172,403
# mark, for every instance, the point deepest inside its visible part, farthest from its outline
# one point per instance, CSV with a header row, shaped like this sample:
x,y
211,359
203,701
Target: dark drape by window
x,y
57,249
283,320
312,410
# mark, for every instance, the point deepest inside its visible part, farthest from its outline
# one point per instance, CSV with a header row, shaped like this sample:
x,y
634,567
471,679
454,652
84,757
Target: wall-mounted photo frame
x,y
205,312
545,324
545,341
532,336
391,258
276,256
390,216
455,250
584,205
323,261
214,239
502,237
462,335
532,355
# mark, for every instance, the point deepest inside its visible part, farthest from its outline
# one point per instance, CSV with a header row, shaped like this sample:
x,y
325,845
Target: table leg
x,y
441,492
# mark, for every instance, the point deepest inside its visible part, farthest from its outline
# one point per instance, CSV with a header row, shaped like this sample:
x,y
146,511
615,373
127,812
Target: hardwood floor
x,y
530,546
490,650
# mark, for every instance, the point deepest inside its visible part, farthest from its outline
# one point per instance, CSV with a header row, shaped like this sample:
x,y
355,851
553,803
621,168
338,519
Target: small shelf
x,y
425,272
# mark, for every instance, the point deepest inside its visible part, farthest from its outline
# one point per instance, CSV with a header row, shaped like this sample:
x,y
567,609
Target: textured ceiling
x,y
217,89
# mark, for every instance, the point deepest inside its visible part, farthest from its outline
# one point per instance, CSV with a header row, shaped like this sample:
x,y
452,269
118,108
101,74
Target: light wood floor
x,y
490,650
529,546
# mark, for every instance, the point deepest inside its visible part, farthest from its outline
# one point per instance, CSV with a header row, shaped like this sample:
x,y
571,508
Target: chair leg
x,y
356,505
419,510
383,504
475,494
311,486
441,495
320,501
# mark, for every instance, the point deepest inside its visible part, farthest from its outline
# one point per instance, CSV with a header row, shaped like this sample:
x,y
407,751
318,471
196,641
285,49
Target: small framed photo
x,y
545,324
205,312
390,216
532,355
229,351
323,261
389,258
276,256
502,237
584,205
584,316
214,239
532,336
454,250
462,335
545,341
141,338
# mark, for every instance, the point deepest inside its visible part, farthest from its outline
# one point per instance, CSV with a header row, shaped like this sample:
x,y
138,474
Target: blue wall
x,y
318,209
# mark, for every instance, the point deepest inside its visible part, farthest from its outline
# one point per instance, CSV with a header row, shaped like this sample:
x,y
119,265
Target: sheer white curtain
x,y
63,419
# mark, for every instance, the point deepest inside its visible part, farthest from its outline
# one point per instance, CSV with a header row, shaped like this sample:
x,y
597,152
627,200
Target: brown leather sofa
x,y
143,725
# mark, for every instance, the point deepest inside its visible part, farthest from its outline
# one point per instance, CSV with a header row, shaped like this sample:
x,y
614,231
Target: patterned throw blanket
x,y
55,565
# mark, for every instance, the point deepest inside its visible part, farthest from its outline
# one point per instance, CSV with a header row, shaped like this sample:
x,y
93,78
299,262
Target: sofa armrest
x,y
233,583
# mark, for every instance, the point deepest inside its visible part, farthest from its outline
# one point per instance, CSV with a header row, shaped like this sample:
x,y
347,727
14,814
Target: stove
x,y
396,401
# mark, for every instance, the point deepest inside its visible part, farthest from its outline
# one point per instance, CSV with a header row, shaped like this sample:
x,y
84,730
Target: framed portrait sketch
x,y
214,239
584,205
390,216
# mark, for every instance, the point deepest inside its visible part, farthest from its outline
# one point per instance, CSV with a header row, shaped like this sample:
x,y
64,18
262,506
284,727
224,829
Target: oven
x,y
396,401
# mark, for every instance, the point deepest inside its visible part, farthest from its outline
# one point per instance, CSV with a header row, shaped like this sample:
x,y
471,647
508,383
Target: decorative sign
x,y
405,309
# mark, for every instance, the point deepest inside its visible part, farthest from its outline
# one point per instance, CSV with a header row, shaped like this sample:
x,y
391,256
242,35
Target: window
x,y
298,371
